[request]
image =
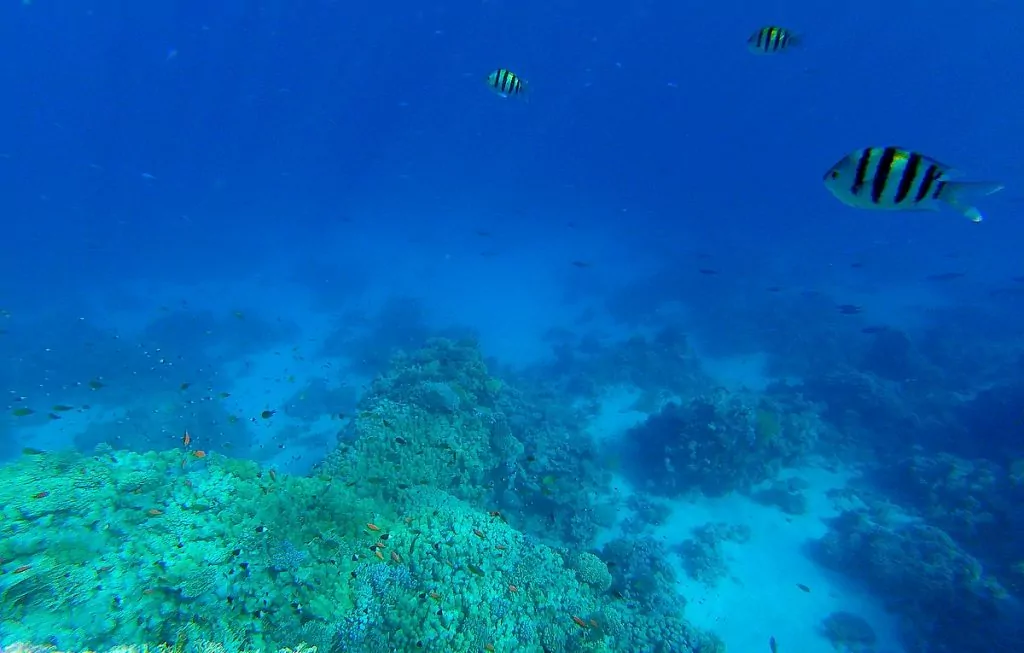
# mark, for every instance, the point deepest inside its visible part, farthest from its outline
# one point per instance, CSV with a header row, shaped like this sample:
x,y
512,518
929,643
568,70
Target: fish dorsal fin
x,y
946,171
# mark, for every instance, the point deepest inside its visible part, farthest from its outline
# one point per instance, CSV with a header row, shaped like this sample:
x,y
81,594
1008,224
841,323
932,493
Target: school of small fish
x,y
886,178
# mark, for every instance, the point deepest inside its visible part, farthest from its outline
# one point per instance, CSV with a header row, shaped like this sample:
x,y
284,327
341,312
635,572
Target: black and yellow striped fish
x,y
772,40
897,179
506,83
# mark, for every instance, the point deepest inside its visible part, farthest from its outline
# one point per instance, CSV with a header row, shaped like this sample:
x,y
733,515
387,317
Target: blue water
x,y
215,210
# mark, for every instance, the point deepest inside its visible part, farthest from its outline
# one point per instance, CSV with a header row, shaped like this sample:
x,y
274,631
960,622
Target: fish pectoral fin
x,y
960,194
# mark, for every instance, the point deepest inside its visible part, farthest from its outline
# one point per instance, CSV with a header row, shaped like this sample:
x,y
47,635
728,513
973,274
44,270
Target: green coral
x,y
221,557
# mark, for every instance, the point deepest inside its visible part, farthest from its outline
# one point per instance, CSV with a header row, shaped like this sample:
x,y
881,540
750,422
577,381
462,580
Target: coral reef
x,y
437,418
167,548
718,442
924,576
848,632
703,557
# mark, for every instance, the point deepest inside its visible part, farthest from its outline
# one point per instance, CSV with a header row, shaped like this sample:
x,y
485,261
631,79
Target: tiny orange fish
x,y
22,569
489,647
186,439
478,534
381,544
512,588
373,527
435,596
579,622
153,512
199,454
377,553
397,558
41,495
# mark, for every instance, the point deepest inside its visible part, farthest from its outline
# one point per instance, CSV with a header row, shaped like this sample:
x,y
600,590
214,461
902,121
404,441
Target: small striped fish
x,y
506,83
771,40
896,179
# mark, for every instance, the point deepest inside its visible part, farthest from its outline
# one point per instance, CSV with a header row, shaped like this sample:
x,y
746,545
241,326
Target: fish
x,y
267,414
373,527
377,553
512,588
897,179
22,569
185,386
874,329
153,512
945,276
772,40
849,309
95,384
61,408
478,534
41,495
773,645
506,83
579,622
22,412
32,451
186,439
803,587
199,454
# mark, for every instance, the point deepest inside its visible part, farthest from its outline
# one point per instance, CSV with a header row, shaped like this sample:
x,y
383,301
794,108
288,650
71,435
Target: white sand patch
x,y
760,597
735,372
617,415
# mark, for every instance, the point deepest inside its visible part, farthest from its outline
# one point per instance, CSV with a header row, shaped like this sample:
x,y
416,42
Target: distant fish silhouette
x,y
944,276
849,309
773,645
707,271
875,329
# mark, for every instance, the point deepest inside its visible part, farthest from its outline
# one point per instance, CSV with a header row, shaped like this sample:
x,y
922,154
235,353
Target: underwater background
x,y
309,338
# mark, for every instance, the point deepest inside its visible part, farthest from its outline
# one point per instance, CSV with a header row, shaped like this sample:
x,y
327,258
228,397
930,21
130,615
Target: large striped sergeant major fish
x,y
506,83
897,179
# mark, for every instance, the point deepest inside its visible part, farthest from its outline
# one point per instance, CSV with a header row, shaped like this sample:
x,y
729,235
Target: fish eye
x,y
834,174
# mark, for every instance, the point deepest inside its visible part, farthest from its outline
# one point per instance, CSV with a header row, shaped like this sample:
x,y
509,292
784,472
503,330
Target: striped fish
x,y
897,179
506,83
771,40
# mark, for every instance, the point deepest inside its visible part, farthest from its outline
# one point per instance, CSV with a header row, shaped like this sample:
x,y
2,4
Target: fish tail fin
x,y
960,194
